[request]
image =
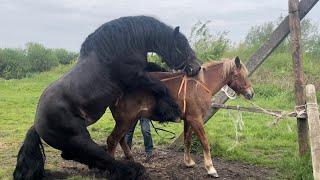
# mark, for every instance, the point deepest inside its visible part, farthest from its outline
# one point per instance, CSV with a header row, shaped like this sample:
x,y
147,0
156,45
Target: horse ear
x,y
237,62
176,30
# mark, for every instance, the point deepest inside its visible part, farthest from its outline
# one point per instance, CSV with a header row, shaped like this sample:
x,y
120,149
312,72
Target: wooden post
x,y
314,124
295,41
258,57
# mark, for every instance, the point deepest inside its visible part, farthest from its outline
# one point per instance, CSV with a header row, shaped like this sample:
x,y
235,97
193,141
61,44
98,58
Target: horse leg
x,y
118,133
74,140
126,149
187,142
90,153
197,126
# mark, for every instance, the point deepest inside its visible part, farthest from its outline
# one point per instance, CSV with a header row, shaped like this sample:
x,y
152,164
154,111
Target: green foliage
x,y
310,38
152,57
196,146
20,63
258,34
40,58
267,90
64,56
206,44
300,167
13,63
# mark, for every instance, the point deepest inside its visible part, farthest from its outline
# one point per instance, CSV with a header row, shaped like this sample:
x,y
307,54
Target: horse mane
x,y
228,66
129,35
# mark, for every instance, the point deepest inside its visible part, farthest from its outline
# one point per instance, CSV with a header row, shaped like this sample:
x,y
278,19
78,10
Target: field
x,y
258,144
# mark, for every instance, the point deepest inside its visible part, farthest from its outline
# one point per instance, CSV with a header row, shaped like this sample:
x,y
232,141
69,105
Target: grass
x,y
259,144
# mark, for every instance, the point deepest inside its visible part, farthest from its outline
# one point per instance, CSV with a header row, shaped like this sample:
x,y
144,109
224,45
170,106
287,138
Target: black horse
x,y
112,61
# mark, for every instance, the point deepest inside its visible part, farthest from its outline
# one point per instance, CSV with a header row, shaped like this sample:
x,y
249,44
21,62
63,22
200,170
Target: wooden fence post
x,y
295,41
314,128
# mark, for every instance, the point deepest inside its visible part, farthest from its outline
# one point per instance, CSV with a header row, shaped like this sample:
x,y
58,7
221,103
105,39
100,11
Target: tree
x,y
40,58
206,44
13,63
64,56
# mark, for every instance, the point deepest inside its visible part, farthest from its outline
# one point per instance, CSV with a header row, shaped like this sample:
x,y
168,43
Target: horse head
x,y
239,81
182,55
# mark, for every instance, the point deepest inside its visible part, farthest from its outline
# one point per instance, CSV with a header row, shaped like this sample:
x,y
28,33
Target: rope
x,y
267,112
184,86
283,115
229,92
156,129
238,126
300,112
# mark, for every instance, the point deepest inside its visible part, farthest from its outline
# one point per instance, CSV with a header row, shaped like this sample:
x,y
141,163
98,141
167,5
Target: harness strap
x,y
156,129
167,79
203,85
184,85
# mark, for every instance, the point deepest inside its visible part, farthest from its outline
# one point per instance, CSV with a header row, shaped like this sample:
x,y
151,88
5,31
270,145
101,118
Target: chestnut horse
x,y
192,94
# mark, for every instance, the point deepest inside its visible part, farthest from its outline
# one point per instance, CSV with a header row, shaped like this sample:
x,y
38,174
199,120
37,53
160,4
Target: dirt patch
x,y
168,164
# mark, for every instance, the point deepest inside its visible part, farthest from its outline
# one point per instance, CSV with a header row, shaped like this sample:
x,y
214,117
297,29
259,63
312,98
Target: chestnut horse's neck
x,y
216,74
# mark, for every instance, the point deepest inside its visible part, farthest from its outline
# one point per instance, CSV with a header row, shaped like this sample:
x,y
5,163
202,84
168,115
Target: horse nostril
x,y
248,96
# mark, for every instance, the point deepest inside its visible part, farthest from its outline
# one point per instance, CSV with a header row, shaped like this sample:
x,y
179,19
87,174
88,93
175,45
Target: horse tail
x,y
166,109
30,161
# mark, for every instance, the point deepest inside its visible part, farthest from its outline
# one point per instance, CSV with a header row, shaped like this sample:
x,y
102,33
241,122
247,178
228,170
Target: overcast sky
x,y
66,23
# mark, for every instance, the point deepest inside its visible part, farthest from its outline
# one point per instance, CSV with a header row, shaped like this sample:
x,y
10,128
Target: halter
x,y
184,64
237,83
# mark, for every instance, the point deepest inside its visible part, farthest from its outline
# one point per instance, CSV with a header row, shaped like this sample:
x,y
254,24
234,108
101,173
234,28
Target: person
x,y
147,137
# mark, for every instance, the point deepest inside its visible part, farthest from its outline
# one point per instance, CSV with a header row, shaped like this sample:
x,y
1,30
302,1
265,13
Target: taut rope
x,y
183,85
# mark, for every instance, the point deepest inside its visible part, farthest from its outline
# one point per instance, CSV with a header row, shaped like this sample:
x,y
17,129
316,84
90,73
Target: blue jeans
x,y
147,138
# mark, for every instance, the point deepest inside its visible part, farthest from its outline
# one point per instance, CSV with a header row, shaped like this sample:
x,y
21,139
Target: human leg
x,y
129,135
147,137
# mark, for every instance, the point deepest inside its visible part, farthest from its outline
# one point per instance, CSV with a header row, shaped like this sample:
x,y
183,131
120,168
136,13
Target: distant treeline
x,y
20,63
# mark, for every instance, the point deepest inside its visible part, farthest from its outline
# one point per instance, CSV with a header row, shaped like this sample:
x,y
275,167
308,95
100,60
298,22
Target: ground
x,y
168,164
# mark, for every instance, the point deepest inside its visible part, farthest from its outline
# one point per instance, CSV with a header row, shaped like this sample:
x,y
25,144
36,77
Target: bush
x,y
13,63
64,56
40,58
18,63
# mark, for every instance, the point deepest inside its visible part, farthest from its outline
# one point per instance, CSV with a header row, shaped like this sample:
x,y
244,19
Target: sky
x,y
66,23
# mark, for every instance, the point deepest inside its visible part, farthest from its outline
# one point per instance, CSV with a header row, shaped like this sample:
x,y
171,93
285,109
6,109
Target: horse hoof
x,y
190,164
213,173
